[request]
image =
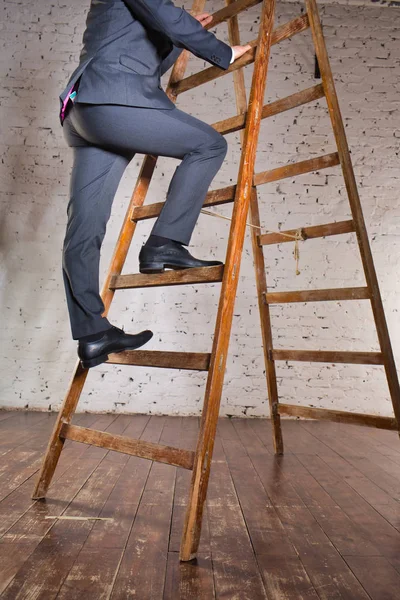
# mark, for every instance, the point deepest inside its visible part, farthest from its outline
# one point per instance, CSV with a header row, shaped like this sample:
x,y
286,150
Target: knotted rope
x,y
296,237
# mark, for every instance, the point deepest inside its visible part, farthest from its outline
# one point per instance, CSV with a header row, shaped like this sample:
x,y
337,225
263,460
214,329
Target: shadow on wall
x,y
35,168
38,352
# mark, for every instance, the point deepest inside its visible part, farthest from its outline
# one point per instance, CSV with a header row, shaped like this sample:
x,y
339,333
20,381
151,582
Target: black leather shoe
x,y
113,340
172,255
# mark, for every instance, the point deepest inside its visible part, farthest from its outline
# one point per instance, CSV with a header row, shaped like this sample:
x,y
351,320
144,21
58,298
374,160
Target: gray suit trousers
x,y
105,138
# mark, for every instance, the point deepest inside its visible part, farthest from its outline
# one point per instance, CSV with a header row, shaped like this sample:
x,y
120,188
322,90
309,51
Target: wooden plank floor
x,y
323,521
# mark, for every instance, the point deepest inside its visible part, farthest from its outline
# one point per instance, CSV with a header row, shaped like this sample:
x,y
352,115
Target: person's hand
x,y
204,18
238,51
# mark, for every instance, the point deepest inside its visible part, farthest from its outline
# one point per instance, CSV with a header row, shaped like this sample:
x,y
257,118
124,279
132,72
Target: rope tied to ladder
x,y
296,237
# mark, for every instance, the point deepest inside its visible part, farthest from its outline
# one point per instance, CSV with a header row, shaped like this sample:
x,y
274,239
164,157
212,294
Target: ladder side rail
x,y
258,257
355,205
266,326
56,444
202,463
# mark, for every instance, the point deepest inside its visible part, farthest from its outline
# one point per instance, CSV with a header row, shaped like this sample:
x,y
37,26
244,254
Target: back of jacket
x,y
129,44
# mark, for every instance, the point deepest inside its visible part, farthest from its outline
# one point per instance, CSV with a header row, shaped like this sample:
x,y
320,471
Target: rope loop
x,y
296,237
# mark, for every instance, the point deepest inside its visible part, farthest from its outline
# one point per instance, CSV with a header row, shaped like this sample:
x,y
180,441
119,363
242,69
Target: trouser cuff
x,y
90,327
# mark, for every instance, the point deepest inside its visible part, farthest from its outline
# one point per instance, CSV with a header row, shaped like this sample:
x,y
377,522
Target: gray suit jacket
x,y
129,44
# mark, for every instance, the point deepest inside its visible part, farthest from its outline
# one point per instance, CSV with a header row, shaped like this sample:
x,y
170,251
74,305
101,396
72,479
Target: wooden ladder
x,y
244,196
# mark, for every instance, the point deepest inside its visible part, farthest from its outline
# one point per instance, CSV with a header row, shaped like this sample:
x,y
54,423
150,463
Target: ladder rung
x,y
178,277
281,33
315,231
355,293
287,30
299,168
338,416
357,358
237,122
231,10
226,195
213,198
119,443
190,361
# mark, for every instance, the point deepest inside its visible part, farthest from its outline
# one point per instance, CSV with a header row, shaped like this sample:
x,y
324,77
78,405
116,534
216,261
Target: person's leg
x,y
172,133
192,178
95,176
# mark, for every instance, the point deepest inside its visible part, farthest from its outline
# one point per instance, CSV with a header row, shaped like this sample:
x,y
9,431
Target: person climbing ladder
x,y
112,108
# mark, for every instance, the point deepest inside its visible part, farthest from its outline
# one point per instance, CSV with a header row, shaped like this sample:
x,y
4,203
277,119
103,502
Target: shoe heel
x,y
153,267
93,362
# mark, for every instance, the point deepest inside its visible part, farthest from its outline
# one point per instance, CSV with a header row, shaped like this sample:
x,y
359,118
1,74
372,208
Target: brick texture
x,y
40,48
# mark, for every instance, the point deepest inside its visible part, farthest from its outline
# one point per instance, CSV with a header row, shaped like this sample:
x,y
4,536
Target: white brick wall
x,y
40,47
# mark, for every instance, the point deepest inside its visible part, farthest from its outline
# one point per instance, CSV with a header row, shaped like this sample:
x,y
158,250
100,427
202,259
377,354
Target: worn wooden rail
x,y
356,293
315,231
338,356
339,416
165,454
179,277
192,361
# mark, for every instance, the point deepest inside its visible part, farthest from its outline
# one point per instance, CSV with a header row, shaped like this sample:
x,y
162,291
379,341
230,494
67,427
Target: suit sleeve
x,y
182,29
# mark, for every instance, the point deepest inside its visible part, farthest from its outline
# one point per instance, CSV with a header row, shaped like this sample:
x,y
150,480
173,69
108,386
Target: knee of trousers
x,y
215,146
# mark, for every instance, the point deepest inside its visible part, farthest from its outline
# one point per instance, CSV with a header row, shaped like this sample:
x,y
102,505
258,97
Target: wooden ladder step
x,y
165,454
236,123
178,277
280,34
353,293
213,198
315,231
227,194
231,10
299,168
357,358
338,416
189,361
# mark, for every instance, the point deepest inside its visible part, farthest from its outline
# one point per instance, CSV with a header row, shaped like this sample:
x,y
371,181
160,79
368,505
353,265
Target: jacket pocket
x,y
134,64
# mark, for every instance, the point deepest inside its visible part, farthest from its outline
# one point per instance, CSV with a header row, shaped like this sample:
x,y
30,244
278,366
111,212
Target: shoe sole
x,y
93,362
98,360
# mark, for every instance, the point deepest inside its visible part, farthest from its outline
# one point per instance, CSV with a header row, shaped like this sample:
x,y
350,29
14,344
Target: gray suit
x,y
129,44
120,109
